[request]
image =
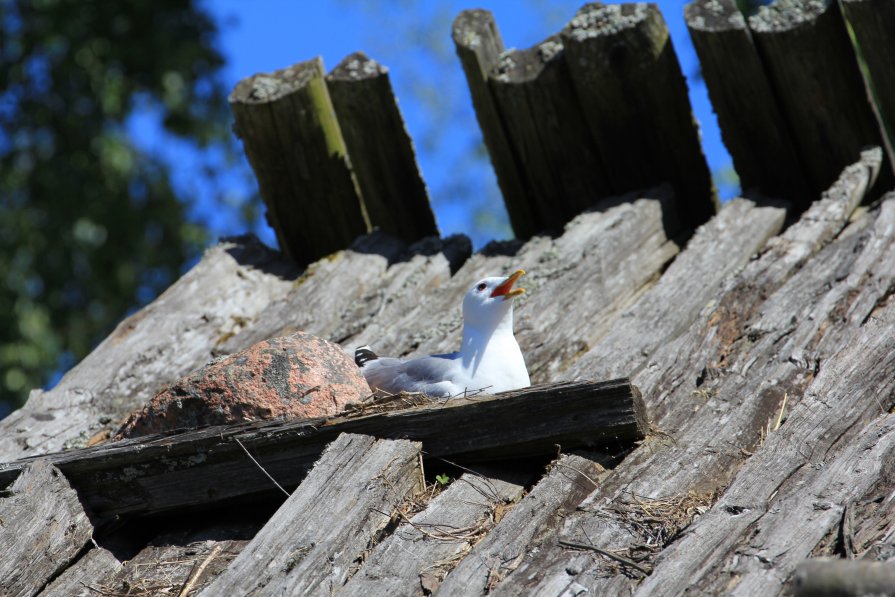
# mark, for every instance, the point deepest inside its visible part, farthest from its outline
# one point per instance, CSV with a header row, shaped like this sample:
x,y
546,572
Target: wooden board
x,y
335,515
210,465
43,527
83,577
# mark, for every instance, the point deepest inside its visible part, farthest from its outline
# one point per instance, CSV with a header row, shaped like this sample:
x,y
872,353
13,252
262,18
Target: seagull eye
x,y
482,286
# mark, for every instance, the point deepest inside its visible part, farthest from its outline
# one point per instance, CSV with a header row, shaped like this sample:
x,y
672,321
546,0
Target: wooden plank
x,y
380,149
716,388
823,577
293,141
326,525
870,22
635,101
719,248
812,67
524,528
752,126
478,44
209,465
225,292
42,528
414,559
82,579
547,131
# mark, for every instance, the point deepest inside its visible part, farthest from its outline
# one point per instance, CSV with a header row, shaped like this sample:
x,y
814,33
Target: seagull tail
x,y
364,355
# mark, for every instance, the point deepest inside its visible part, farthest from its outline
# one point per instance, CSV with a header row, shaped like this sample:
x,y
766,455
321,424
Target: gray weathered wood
x,y
546,129
292,138
870,21
335,515
208,465
844,578
716,388
568,480
752,126
84,577
812,67
413,560
42,528
178,332
635,101
478,44
380,149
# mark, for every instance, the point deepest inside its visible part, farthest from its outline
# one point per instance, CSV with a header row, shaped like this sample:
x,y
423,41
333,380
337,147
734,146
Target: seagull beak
x,y
506,289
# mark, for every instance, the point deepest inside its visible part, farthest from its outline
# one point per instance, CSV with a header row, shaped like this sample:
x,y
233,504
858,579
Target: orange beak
x,y
506,289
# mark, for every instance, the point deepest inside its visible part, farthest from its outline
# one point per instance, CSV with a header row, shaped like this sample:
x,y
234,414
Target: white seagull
x,y
489,359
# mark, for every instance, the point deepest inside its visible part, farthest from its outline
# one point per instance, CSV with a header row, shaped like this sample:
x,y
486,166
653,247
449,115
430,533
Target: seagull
x,y
489,358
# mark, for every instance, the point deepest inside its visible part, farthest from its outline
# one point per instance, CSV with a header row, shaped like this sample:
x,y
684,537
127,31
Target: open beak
x,y
506,289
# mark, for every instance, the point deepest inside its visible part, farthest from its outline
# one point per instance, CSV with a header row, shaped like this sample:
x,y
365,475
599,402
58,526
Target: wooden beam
x,y
293,141
479,46
91,570
380,149
752,126
828,577
635,101
314,540
209,465
43,527
812,67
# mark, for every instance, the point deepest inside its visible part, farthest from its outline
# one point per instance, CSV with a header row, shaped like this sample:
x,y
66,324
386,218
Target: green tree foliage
x,y
90,226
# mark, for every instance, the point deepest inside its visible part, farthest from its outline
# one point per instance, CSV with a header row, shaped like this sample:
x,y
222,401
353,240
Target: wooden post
x,y
812,67
871,22
635,101
547,130
754,130
479,46
380,149
292,138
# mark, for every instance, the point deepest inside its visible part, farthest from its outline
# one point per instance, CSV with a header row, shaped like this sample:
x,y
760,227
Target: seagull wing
x,y
435,375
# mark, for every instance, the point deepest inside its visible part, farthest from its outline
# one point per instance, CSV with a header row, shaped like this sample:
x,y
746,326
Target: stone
x,y
294,377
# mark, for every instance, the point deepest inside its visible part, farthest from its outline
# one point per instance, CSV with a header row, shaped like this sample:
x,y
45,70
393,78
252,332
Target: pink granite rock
x,y
294,377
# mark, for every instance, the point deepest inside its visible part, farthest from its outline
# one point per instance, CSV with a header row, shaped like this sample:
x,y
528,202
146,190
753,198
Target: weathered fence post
x,y
380,149
293,141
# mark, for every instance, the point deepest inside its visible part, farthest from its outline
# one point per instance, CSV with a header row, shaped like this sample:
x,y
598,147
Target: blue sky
x,y
412,38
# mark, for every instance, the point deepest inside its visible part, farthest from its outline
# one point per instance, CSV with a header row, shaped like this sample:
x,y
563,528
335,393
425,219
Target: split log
x,y
380,149
85,577
292,138
230,287
634,96
814,72
478,44
43,527
435,538
547,131
716,388
326,525
210,465
843,578
568,480
752,126
870,21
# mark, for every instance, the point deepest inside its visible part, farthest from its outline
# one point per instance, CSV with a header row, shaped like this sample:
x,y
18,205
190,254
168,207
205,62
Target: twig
x,y
780,416
258,464
198,570
603,552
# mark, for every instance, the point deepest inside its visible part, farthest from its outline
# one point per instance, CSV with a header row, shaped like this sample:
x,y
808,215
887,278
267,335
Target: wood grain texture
x,y
312,542
85,576
752,125
43,527
178,332
413,560
381,151
208,465
814,72
634,96
479,45
292,139
826,577
524,528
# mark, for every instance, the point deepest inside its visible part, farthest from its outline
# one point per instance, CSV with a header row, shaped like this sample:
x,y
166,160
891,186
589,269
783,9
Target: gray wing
x,y
433,375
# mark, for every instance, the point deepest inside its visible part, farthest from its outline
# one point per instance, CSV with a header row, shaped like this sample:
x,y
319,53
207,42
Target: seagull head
x,y
490,301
